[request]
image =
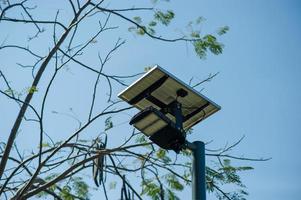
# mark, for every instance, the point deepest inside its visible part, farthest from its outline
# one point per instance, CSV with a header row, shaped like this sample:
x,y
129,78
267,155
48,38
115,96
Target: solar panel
x,y
158,88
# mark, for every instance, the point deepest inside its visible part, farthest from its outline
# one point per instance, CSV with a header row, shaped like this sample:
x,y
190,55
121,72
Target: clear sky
x,y
258,87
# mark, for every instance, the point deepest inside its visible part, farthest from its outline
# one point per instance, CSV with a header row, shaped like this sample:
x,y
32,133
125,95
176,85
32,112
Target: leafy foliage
x,y
208,42
174,182
32,89
201,43
223,30
162,154
75,188
164,17
227,174
108,123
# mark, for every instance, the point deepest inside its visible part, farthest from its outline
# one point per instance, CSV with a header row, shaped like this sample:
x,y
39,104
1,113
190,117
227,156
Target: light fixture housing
x,y
159,128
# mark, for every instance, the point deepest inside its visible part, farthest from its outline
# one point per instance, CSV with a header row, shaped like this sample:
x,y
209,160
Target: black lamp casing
x,y
169,137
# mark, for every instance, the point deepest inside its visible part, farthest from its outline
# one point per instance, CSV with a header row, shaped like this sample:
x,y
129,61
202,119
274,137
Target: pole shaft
x,y
177,111
198,171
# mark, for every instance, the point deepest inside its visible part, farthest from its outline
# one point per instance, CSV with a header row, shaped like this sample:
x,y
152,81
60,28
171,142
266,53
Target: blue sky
x,y
258,86
259,89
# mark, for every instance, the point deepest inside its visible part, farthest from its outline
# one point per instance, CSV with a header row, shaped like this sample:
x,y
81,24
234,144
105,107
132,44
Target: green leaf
x,y
171,195
208,42
151,30
41,194
150,189
45,144
226,162
80,187
195,34
152,23
146,69
140,31
243,192
141,139
200,20
223,30
189,131
174,183
244,168
161,154
187,176
186,152
65,193
32,89
9,92
131,28
108,123
112,185
137,19
200,48
51,176
164,18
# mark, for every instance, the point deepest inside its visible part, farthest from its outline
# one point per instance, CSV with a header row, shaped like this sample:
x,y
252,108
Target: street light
x,y
168,108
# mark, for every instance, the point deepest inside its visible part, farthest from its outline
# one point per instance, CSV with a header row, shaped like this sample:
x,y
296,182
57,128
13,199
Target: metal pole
x,y
198,163
198,170
177,111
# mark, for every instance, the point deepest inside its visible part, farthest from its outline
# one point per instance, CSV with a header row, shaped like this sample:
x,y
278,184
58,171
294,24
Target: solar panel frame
x,y
165,91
